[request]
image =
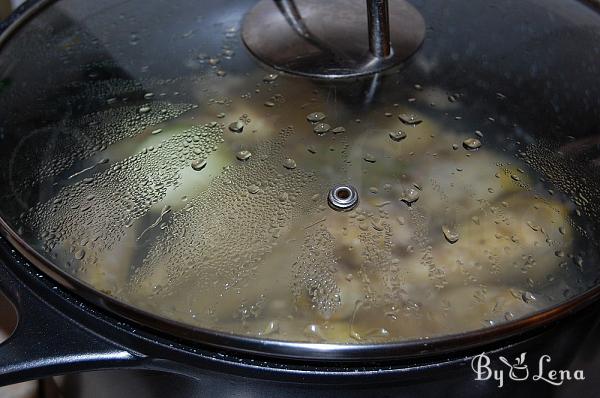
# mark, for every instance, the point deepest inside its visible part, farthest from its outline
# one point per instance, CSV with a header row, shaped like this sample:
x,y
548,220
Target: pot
x,y
199,201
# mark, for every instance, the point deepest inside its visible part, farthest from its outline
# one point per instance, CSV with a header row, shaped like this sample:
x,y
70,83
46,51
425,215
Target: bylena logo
x,y
519,371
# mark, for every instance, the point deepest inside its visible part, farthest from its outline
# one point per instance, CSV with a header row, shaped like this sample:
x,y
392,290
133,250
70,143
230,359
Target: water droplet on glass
x,y
369,158
410,195
198,164
315,117
313,331
144,109
450,234
409,119
270,78
289,164
338,130
528,297
243,155
79,254
253,189
272,327
532,226
237,127
472,144
283,197
321,128
397,135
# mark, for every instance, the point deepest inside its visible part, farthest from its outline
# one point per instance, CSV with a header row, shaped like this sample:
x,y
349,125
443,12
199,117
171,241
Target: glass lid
x,y
146,153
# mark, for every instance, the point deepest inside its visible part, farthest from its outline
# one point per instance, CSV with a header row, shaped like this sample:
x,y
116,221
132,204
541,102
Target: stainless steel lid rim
x,y
167,355
273,349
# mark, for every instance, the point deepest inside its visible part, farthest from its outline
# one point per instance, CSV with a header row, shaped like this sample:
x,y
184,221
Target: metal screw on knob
x,y
343,197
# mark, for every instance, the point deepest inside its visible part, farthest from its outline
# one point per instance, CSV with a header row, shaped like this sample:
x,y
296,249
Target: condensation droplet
x,y
472,144
198,164
79,254
243,155
271,328
533,226
321,128
528,297
270,78
410,195
289,163
237,127
450,234
369,158
315,117
313,331
397,135
409,119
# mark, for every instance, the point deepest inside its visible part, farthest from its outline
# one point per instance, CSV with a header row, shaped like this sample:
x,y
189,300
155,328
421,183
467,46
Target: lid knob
x,y
333,39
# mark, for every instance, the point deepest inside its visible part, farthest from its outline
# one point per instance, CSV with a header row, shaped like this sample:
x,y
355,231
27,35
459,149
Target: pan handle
x,y
46,342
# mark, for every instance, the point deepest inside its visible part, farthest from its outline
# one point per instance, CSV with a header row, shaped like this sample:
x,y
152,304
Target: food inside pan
x,y
215,214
